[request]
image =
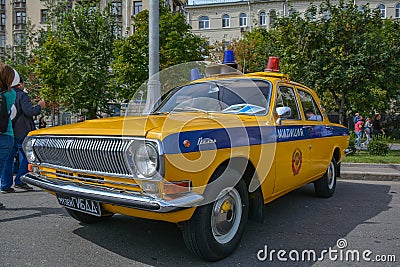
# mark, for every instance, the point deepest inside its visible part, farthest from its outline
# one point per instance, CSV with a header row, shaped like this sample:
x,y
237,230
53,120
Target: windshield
x,y
239,96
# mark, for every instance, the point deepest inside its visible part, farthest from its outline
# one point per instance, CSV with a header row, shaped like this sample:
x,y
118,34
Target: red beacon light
x,y
273,64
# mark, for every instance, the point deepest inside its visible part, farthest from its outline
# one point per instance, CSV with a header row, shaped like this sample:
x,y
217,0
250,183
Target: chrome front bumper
x,y
110,196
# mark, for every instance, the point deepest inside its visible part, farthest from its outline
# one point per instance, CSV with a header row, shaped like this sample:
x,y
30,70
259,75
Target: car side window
x,y
287,98
310,108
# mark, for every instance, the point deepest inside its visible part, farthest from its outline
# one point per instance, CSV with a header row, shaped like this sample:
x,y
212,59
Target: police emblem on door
x,y
297,160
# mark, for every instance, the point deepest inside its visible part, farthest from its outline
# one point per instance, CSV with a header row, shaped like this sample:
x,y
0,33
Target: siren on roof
x,y
228,66
194,74
273,64
229,59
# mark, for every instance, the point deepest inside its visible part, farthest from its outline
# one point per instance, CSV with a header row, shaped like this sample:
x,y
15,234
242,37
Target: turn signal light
x,y
30,169
173,188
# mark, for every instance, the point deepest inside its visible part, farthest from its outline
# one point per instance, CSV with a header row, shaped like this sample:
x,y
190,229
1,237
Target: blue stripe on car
x,y
221,138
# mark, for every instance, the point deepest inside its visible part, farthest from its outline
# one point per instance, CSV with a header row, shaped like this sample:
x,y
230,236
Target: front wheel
x,y
325,186
215,229
87,218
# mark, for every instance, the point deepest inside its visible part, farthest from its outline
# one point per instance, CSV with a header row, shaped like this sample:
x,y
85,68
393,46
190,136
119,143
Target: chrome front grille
x,y
100,155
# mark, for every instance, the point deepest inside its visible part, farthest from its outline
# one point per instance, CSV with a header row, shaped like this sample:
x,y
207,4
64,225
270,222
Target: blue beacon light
x,y
229,59
194,74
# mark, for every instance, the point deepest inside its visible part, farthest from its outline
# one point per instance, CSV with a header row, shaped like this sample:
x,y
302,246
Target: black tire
x,y
325,186
204,232
87,218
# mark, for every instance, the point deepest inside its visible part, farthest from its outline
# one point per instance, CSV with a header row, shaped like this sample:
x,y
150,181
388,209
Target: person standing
x,y
358,128
42,123
367,131
356,116
22,124
7,75
377,128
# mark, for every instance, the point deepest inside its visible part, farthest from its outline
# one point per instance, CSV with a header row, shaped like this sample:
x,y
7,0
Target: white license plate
x,y
80,204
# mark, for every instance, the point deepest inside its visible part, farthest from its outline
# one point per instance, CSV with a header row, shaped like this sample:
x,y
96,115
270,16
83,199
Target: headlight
x,y
30,154
146,159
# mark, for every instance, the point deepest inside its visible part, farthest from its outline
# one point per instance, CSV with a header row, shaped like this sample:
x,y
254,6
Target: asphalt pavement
x,y
361,216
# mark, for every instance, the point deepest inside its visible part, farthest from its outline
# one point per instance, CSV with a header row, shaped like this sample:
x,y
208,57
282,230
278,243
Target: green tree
x,y
177,45
347,56
52,67
74,57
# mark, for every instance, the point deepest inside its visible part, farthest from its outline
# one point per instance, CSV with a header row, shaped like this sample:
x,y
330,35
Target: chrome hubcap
x,y
226,215
330,173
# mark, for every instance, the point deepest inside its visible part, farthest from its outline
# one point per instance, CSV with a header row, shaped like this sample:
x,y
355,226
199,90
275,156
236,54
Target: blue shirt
x,y
10,98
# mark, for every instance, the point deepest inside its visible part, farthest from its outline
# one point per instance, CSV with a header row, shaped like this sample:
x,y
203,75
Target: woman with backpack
x,y
7,75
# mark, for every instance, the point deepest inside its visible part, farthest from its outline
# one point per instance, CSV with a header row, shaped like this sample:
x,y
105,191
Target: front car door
x,y
292,157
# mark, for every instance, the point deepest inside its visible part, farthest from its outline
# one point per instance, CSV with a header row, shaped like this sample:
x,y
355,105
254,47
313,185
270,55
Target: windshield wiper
x,y
160,113
190,109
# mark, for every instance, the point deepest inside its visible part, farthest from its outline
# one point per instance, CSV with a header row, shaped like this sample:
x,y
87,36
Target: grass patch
x,y
363,157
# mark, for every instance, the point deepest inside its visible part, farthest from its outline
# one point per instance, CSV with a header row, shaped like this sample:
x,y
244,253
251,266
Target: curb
x,y
370,171
371,165
354,175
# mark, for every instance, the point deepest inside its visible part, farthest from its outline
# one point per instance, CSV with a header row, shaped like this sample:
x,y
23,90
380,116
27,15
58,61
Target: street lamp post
x,y
153,86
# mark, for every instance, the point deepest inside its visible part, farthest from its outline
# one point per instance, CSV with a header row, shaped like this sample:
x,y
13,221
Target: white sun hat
x,y
16,79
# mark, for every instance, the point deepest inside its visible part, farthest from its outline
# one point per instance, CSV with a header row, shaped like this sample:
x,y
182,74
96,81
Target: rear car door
x,y
316,128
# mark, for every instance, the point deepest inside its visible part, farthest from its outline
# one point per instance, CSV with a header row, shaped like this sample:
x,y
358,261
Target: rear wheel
x,y
325,186
87,218
216,229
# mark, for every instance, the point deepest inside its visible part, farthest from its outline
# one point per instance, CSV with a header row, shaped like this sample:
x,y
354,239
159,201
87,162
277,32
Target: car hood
x,y
153,126
115,126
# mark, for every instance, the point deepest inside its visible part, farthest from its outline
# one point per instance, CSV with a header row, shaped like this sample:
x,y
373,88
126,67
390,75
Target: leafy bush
x,y
378,147
352,143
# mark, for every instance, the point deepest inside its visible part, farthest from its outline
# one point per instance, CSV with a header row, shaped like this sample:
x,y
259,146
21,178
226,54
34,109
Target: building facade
x,y
225,20
15,15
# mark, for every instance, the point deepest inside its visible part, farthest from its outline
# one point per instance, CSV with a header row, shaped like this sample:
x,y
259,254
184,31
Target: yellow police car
x,y
209,156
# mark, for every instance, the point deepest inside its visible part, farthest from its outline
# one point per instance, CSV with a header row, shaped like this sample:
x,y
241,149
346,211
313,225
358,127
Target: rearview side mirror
x,y
283,113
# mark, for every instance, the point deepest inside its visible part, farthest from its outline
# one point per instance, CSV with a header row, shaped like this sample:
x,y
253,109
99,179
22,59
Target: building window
x,y
225,21
19,3
19,39
204,22
116,8
292,11
3,19
137,7
327,15
117,29
263,19
3,2
397,11
43,16
382,10
20,17
272,17
2,41
242,20
311,16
